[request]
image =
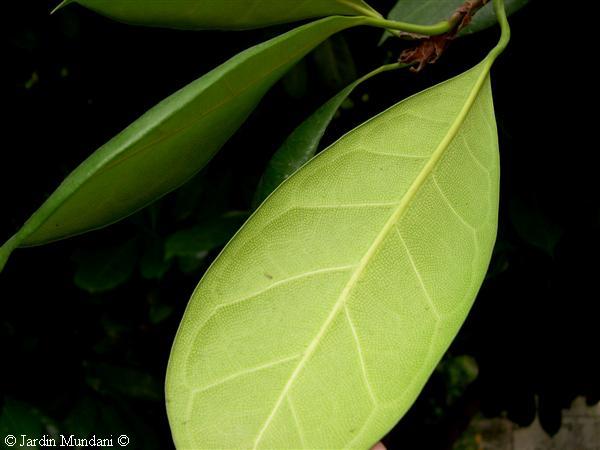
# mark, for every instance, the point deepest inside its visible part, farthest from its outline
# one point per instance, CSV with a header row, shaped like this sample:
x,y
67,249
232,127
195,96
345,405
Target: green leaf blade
x,y
221,14
171,142
322,319
302,144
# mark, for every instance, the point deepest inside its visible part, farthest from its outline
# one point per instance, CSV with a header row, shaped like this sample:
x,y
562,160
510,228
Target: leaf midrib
x,y
389,225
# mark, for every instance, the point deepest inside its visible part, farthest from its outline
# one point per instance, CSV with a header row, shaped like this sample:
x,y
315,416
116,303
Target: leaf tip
x,y
61,5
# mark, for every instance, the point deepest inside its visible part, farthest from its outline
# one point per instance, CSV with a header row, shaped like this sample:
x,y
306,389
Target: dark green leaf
x,y
191,264
188,197
16,419
199,240
83,418
533,226
159,312
295,82
486,17
123,380
459,372
335,63
106,268
429,12
500,259
153,264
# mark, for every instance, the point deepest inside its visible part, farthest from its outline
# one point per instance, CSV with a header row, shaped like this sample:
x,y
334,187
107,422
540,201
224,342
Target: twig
x,y
431,48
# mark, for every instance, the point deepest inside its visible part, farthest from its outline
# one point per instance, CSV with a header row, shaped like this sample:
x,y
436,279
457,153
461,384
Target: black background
x,y
90,363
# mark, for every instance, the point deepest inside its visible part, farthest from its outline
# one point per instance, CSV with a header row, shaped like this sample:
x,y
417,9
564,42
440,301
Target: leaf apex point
x,y
61,5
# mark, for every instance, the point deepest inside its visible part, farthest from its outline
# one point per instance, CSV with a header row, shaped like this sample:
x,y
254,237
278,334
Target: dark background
x,y
82,362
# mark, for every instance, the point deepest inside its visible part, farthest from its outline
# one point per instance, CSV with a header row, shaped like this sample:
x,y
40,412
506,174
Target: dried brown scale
x,y
431,48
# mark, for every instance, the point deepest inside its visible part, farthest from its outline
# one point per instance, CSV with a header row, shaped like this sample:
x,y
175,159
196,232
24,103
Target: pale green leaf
x,y
322,319
302,144
221,14
171,142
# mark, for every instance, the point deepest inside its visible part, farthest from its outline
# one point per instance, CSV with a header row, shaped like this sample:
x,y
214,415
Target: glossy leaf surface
x,y
303,143
322,319
171,142
222,14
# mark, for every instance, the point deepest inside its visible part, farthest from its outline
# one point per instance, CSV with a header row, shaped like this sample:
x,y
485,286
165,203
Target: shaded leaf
x,y
322,319
486,18
533,226
18,418
500,258
191,264
159,312
201,239
459,372
221,14
153,264
123,380
295,82
83,419
106,268
303,142
335,63
107,416
171,142
188,197
429,12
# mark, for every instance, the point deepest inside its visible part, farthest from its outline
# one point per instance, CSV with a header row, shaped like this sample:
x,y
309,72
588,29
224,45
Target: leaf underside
x,y
322,319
